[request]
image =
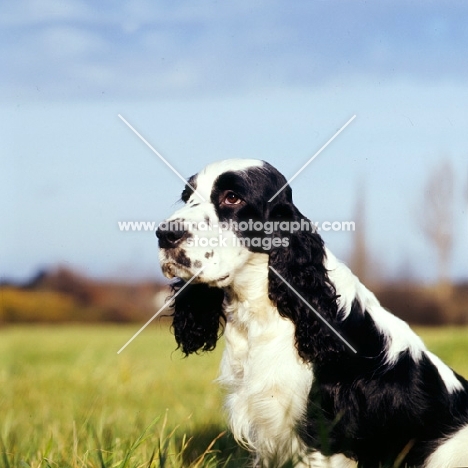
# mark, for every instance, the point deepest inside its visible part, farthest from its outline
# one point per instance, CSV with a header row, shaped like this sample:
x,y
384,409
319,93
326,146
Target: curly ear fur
x,y
198,312
301,264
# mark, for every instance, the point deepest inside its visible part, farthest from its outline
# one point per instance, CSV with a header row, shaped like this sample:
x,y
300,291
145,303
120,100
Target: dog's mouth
x,y
175,262
172,270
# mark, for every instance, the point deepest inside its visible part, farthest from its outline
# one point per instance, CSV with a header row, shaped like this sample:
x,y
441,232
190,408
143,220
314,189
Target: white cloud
x,y
65,42
29,12
185,48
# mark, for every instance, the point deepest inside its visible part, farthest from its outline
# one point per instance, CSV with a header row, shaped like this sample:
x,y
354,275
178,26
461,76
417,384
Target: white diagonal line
x,y
164,160
312,158
160,310
313,310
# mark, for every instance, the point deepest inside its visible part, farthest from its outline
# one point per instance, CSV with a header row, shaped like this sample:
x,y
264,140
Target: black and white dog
x,y
296,392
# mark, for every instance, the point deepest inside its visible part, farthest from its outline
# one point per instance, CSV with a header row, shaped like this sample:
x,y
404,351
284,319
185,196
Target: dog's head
x,y
236,210
226,219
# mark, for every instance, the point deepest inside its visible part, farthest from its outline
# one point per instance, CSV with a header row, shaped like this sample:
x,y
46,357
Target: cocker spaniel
x,y
317,372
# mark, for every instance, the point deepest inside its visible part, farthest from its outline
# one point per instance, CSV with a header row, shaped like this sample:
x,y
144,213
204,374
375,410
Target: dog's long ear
x,y
197,317
300,260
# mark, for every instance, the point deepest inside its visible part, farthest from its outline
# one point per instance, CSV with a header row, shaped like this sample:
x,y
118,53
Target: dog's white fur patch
x,y
452,453
266,381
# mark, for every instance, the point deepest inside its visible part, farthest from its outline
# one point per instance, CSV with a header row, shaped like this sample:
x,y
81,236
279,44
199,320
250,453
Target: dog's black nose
x,y
169,239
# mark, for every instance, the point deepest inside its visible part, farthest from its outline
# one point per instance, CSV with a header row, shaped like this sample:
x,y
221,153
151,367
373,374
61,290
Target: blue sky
x,y
209,80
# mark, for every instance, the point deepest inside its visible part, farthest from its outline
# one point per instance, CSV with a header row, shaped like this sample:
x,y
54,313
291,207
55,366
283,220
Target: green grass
x,y
450,344
68,400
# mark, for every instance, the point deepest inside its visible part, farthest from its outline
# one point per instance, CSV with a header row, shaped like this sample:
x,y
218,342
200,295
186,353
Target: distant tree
x,y
359,256
466,191
436,215
367,267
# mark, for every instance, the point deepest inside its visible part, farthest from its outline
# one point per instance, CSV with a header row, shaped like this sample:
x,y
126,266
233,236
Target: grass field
x,y
68,400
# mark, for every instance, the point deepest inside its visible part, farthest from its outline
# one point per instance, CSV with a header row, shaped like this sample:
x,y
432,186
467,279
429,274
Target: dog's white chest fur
x,y
267,383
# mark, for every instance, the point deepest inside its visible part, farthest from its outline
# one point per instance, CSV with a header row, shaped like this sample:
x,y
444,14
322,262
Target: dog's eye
x,y
232,199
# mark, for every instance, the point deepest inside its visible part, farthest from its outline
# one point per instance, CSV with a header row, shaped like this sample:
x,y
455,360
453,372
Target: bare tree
x,y
359,260
436,215
466,191
367,267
